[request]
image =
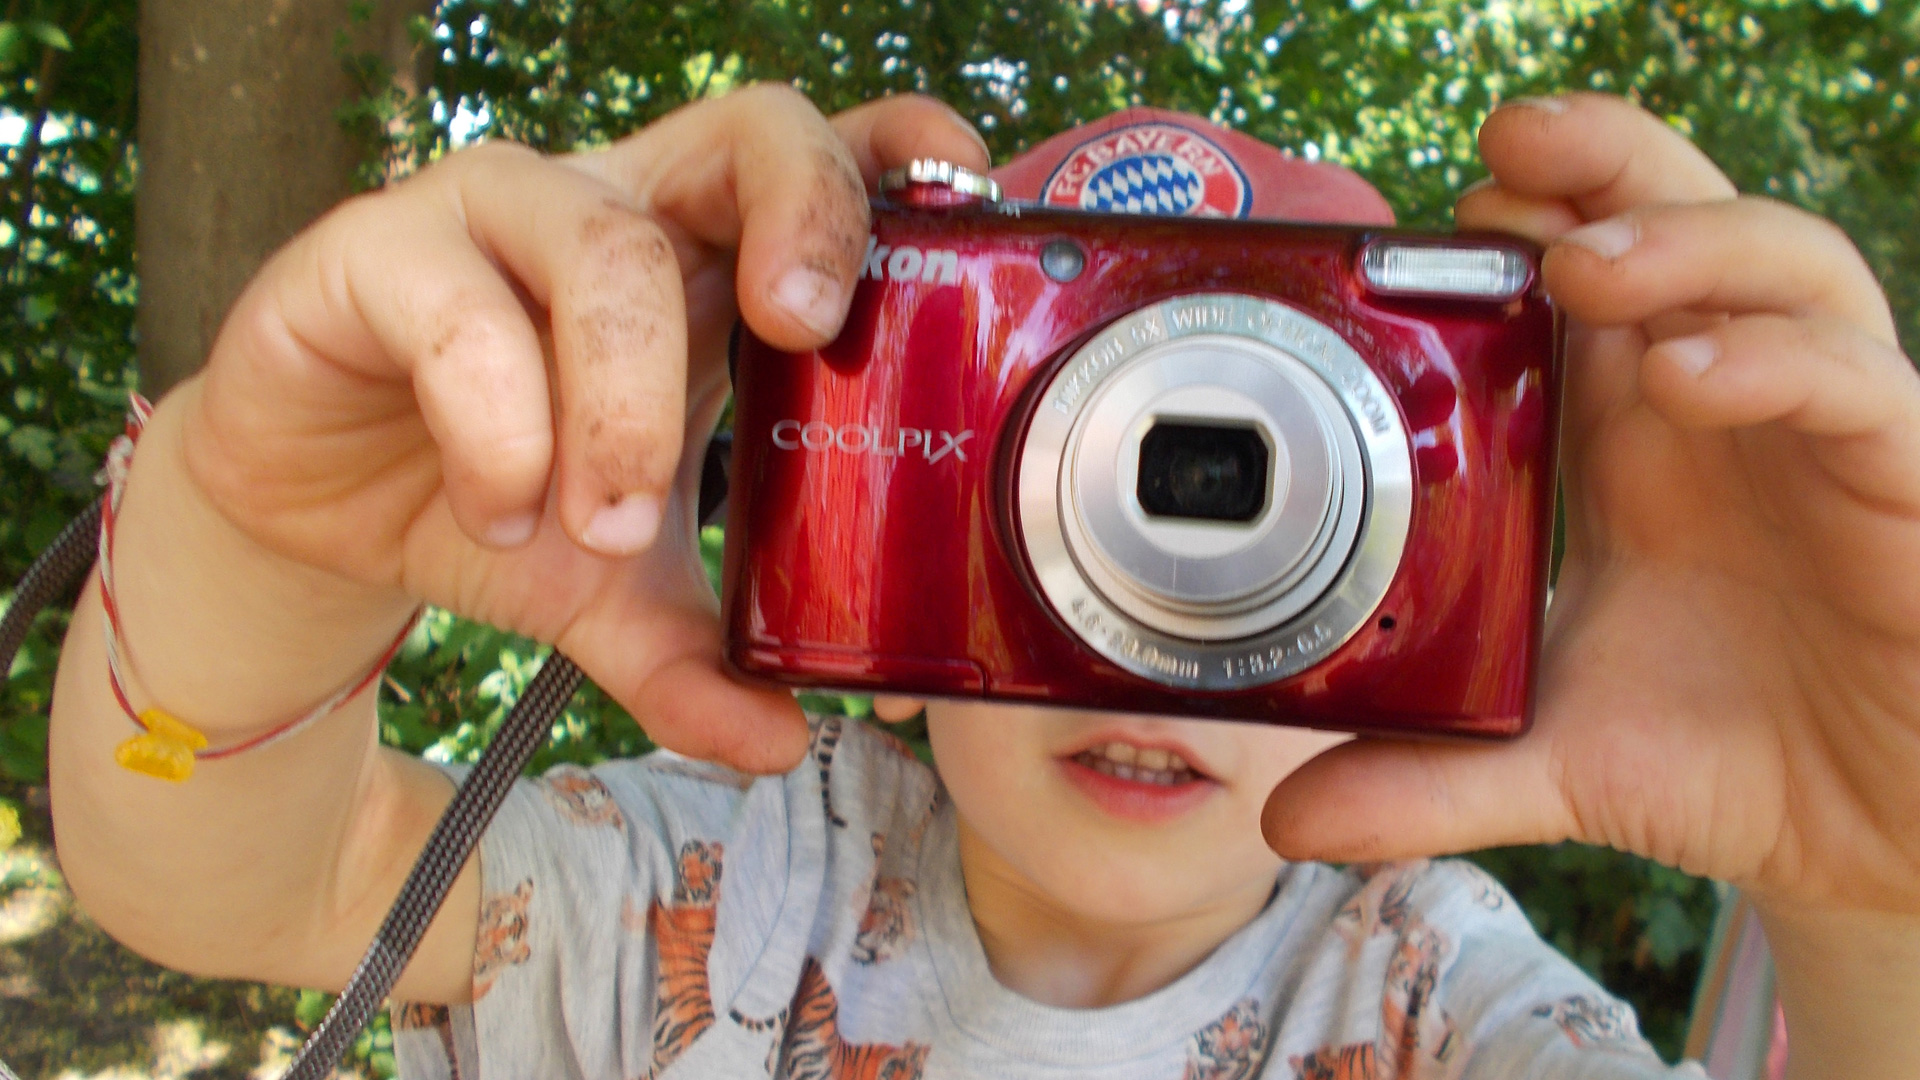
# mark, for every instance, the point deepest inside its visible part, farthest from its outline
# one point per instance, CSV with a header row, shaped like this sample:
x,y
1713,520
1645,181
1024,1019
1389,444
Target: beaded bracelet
x,y
167,746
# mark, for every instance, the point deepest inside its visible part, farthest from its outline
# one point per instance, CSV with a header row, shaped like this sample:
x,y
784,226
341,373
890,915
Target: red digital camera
x,y
1289,473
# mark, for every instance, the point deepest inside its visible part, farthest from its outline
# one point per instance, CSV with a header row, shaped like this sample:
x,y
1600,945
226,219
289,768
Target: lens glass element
x,y
1204,472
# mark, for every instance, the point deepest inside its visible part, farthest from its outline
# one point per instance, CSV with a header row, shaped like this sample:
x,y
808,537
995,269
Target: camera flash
x,y
1479,273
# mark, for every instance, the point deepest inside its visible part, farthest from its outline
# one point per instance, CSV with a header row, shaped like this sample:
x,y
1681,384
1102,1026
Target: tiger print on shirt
x,y
1233,1047
813,1049
411,1016
826,739
886,923
1355,1061
501,939
683,935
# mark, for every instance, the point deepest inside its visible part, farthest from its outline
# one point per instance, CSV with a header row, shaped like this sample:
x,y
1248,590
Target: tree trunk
x,y
239,148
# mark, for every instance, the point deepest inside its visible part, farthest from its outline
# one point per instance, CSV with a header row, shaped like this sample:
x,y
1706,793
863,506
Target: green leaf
x,y
34,443
37,310
312,1008
48,34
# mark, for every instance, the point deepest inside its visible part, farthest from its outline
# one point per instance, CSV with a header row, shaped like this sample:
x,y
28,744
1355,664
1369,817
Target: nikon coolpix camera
x,y
1255,470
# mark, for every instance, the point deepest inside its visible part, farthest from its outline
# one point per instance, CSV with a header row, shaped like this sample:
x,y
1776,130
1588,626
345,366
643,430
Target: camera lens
x,y
1202,472
1214,491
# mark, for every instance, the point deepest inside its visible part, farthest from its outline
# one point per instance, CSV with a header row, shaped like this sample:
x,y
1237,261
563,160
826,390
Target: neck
x,y
1065,959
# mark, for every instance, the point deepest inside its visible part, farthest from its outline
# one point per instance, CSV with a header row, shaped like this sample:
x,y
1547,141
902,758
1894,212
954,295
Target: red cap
x,y
1155,161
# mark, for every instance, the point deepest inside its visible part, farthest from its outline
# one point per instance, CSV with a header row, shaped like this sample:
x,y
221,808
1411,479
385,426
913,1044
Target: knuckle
x,y
631,443
520,457
489,154
499,467
773,93
462,326
521,460
622,239
605,329
1826,236
621,296
834,217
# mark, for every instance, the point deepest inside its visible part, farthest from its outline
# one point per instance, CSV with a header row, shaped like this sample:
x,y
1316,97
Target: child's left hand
x,y
1731,682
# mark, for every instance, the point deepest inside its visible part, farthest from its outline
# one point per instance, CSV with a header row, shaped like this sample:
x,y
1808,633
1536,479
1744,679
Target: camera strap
x,y
64,565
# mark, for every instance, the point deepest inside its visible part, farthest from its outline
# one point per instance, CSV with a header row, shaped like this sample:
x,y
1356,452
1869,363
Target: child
x,y
1732,683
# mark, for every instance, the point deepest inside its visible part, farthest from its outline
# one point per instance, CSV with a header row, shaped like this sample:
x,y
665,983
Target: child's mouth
x,y
1138,784
1162,768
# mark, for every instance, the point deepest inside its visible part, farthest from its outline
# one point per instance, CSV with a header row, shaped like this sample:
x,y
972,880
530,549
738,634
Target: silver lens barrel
x,y
1214,491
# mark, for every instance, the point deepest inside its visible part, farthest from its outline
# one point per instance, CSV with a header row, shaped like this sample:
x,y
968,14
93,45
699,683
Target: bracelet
x,y
168,746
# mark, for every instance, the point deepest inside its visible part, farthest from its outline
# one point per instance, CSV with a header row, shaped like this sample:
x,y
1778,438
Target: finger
x,y
662,661
1600,154
761,172
893,709
895,130
610,281
1823,377
1738,256
440,314
1487,205
1370,800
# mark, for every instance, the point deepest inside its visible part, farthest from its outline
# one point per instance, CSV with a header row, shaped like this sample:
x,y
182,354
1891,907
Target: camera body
x,y
1288,473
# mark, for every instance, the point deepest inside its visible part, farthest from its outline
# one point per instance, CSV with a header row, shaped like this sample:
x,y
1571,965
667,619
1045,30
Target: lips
x,y
1145,781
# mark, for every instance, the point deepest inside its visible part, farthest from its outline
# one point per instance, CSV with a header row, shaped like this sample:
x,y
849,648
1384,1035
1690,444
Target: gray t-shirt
x,y
664,918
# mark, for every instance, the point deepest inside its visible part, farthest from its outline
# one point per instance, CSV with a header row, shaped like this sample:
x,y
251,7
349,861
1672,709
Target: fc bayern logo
x,y
1150,169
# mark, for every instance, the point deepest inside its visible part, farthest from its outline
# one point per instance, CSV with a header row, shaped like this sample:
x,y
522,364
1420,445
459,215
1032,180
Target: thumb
x,y
653,642
1373,800
664,666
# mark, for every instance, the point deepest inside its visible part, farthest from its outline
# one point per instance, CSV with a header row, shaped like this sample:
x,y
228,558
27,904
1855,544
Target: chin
x,y
1129,894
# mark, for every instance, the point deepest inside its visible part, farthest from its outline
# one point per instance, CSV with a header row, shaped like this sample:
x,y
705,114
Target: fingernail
x,y
624,528
1693,355
513,531
1555,105
1608,239
811,297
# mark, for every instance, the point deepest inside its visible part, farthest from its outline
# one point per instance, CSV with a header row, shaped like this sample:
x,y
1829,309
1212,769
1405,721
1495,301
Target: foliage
x,y
1814,102
66,298
1811,102
1635,926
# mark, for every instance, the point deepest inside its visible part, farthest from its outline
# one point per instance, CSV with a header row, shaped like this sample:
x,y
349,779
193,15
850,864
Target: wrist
x,y
218,629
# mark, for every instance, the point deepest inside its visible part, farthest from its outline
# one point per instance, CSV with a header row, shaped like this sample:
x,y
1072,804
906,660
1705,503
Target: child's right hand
x,y
477,388
488,387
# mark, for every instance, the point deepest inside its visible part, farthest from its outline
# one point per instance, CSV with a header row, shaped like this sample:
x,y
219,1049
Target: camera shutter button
x,y
931,184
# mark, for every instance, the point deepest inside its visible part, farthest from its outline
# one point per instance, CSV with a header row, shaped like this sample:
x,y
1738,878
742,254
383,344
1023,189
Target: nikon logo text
x,y
820,437
909,263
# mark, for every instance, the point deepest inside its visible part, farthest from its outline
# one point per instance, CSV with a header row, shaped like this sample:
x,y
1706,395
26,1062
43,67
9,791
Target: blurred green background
x,y
1811,102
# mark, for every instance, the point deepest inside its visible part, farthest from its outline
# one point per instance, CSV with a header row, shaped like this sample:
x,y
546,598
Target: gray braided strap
x,y
453,840
61,567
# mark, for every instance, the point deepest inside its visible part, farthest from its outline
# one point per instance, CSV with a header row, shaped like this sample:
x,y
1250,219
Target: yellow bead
x,y
168,726
165,750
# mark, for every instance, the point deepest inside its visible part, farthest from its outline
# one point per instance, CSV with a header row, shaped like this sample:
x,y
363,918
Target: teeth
x,y
1126,762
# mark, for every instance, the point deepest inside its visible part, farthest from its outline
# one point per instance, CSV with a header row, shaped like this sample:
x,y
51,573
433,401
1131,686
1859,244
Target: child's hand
x,y
1732,676
476,388
488,387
